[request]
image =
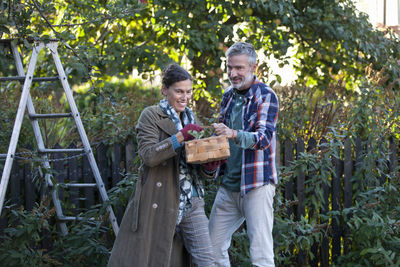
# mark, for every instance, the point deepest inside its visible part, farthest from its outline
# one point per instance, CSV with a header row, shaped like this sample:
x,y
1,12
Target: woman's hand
x,y
213,165
186,136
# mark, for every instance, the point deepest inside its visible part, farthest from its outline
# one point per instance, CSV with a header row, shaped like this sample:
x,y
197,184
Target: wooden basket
x,y
207,149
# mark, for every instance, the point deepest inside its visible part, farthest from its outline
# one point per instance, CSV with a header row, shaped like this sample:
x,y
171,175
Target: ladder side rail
x,y
75,114
40,143
18,123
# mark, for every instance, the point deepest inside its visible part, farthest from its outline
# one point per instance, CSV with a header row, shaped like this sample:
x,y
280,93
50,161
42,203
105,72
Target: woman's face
x,y
178,95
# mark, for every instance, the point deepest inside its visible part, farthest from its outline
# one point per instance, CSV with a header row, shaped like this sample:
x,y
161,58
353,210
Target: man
x,y
249,112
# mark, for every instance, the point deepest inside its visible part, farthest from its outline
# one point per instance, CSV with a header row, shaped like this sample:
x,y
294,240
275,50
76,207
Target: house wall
x,y
375,10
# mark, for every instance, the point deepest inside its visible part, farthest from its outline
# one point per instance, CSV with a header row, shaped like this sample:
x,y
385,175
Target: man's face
x,y
240,72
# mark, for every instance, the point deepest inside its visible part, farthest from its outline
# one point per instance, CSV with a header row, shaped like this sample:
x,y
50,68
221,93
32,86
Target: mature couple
x,y
165,216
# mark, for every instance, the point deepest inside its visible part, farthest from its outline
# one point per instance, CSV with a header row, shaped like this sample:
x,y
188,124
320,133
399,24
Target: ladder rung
x,y
61,150
78,185
47,116
73,218
22,78
3,156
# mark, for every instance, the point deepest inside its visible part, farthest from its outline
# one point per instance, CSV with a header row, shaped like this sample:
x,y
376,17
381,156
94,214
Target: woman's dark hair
x,y
174,73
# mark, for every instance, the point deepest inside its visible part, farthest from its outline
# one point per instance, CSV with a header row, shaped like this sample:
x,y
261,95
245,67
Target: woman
x,y
167,207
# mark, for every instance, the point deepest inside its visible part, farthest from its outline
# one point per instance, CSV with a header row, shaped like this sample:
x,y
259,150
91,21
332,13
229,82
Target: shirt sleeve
x,y
266,119
175,142
245,139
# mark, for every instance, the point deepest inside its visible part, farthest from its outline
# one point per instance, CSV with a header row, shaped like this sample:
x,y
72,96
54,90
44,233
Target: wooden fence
x,y
337,195
23,188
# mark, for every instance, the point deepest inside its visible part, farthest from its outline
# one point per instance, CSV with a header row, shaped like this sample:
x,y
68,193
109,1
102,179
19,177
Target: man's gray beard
x,y
246,80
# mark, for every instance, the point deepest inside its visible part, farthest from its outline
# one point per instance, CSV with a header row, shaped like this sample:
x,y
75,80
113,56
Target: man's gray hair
x,y
242,48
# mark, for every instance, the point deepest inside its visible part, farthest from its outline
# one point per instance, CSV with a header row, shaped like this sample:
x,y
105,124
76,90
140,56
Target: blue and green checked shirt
x,y
259,117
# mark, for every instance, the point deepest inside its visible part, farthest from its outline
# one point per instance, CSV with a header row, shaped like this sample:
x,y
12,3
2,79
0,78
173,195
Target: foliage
x,y
86,244
307,113
21,243
206,132
117,108
8,111
374,227
365,112
119,195
331,40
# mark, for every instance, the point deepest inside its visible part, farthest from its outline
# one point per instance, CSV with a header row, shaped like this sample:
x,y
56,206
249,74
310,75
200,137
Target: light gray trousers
x,y
229,212
195,234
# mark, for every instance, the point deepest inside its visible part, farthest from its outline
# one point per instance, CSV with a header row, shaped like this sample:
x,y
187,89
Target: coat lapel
x,y
166,124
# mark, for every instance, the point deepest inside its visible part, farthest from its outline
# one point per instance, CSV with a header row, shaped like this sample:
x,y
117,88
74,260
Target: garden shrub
x,y
32,238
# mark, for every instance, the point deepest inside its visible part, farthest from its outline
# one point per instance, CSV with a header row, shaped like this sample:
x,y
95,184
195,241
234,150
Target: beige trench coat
x,y
147,233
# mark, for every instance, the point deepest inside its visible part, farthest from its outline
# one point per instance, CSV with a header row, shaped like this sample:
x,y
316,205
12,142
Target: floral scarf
x,y
185,175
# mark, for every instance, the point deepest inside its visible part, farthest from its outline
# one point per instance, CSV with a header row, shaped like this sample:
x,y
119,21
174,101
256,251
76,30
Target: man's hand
x,y
222,129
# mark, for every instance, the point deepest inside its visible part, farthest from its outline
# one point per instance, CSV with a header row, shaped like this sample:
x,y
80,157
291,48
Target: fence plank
x,y
300,182
116,164
15,184
359,159
3,221
60,171
116,176
300,196
3,216
348,173
102,164
324,251
30,196
87,178
288,159
348,188
312,144
74,177
336,204
130,155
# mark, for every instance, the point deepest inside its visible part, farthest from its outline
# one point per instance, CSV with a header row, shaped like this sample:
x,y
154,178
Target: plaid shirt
x,y
259,116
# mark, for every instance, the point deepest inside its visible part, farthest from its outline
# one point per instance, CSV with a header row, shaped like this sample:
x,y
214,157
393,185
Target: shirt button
x,y
159,184
155,206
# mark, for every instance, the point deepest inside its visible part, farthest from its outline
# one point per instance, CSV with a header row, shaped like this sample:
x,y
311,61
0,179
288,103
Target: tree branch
x,y
44,17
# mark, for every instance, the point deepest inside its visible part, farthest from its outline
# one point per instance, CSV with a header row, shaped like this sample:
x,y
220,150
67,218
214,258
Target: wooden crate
x,y
207,149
